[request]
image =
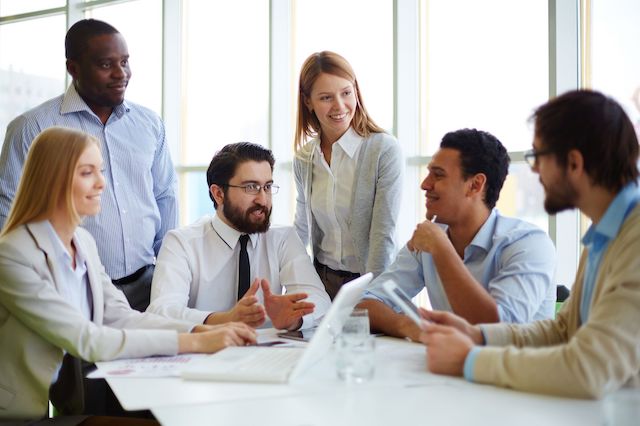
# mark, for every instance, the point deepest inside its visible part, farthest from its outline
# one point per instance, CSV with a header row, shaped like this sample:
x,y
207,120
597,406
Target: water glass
x,y
355,349
355,358
357,324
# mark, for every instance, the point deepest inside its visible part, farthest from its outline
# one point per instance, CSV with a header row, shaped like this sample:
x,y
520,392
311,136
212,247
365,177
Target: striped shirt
x,y
138,204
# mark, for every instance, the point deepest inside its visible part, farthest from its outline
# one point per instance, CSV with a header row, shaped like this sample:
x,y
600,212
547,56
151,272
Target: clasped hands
x,y
285,311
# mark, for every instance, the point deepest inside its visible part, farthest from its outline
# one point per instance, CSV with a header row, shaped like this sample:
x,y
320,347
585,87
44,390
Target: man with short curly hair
x,y
472,260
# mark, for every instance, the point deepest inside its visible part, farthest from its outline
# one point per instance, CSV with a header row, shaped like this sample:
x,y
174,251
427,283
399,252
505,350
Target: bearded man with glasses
x,y
234,266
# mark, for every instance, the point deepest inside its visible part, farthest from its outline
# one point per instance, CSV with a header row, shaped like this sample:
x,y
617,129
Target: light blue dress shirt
x,y
512,259
74,286
138,204
598,237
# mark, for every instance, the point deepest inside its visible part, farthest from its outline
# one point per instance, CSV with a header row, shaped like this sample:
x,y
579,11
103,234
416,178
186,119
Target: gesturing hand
x,y
247,310
286,311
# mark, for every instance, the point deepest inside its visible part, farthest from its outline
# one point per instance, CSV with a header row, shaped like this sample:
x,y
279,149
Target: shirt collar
x,y
61,251
614,216
349,142
484,236
73,102
228,234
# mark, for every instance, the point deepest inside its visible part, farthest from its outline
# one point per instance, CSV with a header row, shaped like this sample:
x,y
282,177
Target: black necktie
x,y
244,269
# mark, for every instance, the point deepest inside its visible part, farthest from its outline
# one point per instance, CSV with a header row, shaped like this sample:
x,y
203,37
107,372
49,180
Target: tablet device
x,y
301,335
401,299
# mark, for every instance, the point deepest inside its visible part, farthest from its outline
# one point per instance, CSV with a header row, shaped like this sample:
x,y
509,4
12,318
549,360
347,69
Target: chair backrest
x,y
562,293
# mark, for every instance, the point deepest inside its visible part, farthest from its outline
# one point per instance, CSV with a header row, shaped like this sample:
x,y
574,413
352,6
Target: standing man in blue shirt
x,y
139,203
472,260
585,151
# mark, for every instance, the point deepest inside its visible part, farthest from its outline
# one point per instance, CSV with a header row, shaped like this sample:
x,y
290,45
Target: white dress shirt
x,y
331,202
197,270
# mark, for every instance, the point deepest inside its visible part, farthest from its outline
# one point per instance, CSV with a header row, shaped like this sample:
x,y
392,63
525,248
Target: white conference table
x,y
402,392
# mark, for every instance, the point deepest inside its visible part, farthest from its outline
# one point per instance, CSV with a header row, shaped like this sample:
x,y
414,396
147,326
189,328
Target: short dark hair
x,y
76,40
223,165
480,152
597,126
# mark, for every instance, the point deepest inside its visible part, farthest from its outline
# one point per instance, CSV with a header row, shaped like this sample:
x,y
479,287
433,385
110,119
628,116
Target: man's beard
x,y
242,220
562,197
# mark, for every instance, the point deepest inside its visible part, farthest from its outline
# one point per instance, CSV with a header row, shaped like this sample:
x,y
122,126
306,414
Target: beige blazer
x,y
565,358
37,326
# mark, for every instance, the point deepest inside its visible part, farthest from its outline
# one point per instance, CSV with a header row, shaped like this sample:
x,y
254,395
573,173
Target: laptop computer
x,y
281,365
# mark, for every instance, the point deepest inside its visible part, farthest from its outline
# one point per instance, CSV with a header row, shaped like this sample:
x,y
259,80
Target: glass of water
x,y
357,325
355,349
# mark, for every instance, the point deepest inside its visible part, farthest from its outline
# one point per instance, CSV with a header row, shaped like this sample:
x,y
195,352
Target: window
x,y
145,47
18,7
367,44
611,67
485,65
32,69
225,89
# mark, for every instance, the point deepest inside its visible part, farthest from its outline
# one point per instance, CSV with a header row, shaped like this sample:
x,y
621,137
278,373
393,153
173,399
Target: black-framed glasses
x,y
531,156
254,188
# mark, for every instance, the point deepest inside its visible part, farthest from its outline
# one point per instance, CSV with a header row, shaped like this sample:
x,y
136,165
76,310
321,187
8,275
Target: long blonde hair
x,y
326,62
47,177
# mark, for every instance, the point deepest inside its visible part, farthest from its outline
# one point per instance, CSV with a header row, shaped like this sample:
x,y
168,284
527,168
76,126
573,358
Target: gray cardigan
x,y
375,200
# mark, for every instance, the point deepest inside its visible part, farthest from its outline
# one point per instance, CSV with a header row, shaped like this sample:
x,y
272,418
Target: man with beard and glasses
x,y
472,260
204,270
585,152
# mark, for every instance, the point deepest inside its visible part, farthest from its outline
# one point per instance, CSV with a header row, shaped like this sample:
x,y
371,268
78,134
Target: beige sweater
x,y
563,358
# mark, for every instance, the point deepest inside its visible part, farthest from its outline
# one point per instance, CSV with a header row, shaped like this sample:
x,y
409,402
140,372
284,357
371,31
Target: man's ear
x,y
217,192
478,182
72,68
575,161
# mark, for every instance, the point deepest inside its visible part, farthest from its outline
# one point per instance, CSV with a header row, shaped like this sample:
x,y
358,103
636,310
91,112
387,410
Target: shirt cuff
x,y
308,321
470,362
484,336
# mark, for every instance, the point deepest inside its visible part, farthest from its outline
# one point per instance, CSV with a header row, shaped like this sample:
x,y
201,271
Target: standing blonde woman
x,y
55,298
348,176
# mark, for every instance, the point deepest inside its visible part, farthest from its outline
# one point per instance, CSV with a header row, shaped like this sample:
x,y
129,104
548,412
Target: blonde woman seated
x,y
55,297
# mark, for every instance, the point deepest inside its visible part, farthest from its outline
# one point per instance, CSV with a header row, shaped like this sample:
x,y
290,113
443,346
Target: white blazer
x,y
37,325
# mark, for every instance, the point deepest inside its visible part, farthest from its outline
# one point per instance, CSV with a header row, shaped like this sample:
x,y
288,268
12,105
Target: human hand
x,y
246,310
210,339
406,328
455,321
447,349
286,311
427,237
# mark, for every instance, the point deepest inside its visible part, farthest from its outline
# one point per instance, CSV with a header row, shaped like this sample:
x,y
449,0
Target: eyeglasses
x,y
254,188
531,156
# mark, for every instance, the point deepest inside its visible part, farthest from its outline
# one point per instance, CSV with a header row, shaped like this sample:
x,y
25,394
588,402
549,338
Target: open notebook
x,y
280,365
